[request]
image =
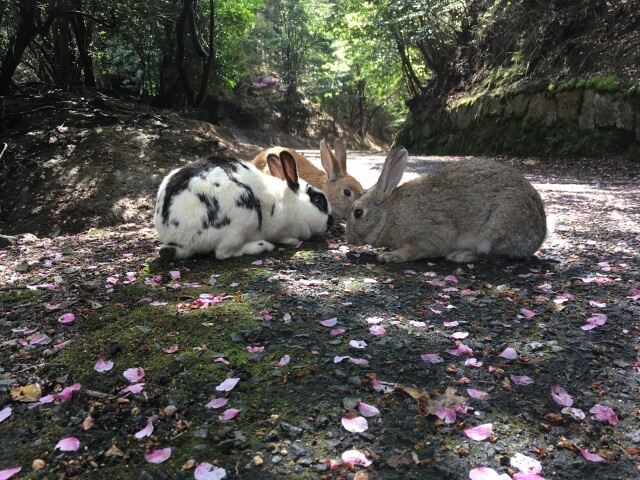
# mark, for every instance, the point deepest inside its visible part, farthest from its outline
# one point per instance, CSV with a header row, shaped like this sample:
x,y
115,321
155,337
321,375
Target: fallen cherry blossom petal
x,y
332,464
459,335
416,324
284,361
367,410
473,362
461,349
486,473
135,388
576,413
527,313
158,456
509,353
172,349
521,379
560,396
451,324
358,343
338,358
377,330
5,413
256,262
431,357
479,433
69,444
525,464
477,394
355,457
134,374
446,414
252,349
451,278
146,431
383,387
66,393
227,385
67,318
355,425
604,414
337,331
206,471
103,365
359,361
9,472
329,322
592,457
597,320
175,274
217,403
229,414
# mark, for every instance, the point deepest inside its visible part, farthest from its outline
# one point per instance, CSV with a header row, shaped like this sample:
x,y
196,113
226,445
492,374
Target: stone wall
x,y
569,122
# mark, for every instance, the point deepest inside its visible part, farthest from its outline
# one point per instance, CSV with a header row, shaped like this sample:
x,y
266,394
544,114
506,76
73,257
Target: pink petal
x,y
371,281
367,410
206,471
67,318
576,413
451,278
217,403
486,473
135,388
66,394
358,343
329,323
8,473
359,361
459,335
70,444
509,353
592,457
229,414
477,394
146,431
451,324
413,323
446,414
284,361
377,330
479,433
560,396
597,320
5,413
175,275
255,349
158,456
172,349
472,362
525,464
257,262
103,365
383,387
355,457
604,414
355,425
227,385
527,313
461,349
338,358
431,357
521,379
337,331
134,374
374,320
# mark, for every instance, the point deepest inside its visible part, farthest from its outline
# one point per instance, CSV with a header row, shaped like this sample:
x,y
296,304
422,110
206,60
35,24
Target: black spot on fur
x,y
318,199
213,213
248,200
273,209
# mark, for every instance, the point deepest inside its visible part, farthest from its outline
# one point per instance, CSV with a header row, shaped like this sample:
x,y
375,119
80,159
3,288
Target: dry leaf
x,y
28,393
449,399
87,423
361,475
397,459
114,451
189,464
414,392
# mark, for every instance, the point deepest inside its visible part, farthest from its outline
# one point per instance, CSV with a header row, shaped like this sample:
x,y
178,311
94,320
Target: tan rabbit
x,y
464,209
340,188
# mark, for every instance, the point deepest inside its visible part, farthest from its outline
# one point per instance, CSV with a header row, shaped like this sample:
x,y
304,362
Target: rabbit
x,y
340,187
229,207
461,211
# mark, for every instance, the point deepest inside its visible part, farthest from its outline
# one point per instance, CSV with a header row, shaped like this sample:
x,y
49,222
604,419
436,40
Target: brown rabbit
x,y
340,188
461,211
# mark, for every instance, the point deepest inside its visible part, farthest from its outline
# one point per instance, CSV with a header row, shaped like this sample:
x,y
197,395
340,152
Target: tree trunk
x,y
182,69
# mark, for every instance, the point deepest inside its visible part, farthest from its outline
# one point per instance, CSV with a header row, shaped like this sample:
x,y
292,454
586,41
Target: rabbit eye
x,y
346,192
357,213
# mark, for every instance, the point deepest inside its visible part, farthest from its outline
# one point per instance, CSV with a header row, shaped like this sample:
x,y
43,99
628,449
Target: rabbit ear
x,y
330,163
341,154
275,166
290,170
391,175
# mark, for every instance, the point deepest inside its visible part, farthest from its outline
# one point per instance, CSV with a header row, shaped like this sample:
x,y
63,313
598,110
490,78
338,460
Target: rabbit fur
x,y
340,187
465,209
229,207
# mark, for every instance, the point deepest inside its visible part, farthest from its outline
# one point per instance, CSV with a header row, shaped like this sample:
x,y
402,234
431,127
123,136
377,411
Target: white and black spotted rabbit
x,y
229,207
465,209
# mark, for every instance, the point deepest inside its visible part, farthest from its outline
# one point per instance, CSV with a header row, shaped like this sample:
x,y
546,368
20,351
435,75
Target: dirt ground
x,y
542,355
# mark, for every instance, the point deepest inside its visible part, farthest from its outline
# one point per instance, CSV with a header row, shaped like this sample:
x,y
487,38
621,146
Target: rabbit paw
x,y
404,254
461,256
